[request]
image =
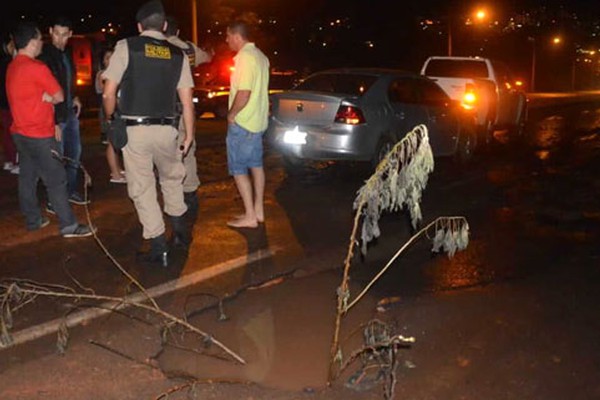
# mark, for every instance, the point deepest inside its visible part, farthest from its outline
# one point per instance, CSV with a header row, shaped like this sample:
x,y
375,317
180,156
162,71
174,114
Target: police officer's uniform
x,y
150,70
196,56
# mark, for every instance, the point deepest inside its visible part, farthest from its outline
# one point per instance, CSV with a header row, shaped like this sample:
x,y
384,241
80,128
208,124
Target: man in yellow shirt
x,y
247,121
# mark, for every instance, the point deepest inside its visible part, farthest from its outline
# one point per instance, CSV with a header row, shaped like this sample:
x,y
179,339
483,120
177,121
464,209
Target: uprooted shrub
x,y
397,184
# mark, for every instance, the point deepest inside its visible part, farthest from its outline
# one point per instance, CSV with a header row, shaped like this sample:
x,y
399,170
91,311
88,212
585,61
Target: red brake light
x,y
349,115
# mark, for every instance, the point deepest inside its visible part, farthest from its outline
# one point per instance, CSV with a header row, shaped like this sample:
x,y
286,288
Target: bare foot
x,y
258,219
243,223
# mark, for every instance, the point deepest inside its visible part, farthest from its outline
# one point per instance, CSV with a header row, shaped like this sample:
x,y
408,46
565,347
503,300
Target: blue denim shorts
x,y
244,150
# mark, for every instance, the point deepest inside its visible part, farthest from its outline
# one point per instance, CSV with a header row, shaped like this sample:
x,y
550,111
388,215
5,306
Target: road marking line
x,y
76,318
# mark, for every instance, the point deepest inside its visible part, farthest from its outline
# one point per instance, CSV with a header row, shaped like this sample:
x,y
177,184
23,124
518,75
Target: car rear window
x,y
457,68
282,81
350,84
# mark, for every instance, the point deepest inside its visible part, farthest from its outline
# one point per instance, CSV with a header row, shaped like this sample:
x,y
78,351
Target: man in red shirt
x,y
32,92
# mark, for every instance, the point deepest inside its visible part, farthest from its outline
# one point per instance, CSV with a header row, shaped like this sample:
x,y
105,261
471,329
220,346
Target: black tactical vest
x,y
149,84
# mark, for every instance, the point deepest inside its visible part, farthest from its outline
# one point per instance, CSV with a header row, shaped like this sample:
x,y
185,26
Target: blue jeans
x,y
244,150
70,147
35,162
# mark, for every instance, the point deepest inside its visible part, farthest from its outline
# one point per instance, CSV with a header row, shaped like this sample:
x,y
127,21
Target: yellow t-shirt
x,y
251,72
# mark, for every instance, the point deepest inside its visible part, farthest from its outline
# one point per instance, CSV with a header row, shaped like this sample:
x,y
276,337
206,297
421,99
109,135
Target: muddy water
x,y
284,333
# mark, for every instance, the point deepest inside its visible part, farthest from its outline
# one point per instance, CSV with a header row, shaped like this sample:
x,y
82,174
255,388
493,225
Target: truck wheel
x,y
485,135
517,132
465,148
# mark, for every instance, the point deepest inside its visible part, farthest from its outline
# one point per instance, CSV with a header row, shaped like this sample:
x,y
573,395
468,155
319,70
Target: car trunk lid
x,y
297,107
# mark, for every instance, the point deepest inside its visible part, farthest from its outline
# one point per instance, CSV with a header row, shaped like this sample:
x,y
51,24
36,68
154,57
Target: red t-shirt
x,y
26,81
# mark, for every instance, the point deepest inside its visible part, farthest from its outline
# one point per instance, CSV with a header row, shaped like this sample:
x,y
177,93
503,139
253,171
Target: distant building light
x,y
275,52
324,44
337,21
103,30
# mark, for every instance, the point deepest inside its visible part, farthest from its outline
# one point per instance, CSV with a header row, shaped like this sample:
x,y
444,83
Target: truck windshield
x,y
457,68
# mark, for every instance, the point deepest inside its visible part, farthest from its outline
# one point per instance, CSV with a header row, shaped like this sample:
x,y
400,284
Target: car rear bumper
x,y
333,142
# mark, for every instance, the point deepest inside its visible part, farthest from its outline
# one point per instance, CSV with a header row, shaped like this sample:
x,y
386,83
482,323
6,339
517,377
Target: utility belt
x,y
172,121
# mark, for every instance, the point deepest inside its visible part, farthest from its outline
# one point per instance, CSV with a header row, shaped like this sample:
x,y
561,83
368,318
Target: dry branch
x,y
16,293
396,184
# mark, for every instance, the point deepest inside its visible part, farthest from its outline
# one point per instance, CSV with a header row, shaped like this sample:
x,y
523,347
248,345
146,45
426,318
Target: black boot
x,y
182,236
191,201
158,253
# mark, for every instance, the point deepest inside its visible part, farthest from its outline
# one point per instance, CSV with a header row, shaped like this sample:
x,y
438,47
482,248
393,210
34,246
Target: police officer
x,y
196,56
151,73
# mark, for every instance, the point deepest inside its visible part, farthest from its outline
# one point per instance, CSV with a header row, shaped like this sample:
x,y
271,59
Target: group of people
x,y
148,83
45,125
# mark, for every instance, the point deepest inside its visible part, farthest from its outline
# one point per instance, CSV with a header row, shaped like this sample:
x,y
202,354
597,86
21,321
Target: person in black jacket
x,y
59,59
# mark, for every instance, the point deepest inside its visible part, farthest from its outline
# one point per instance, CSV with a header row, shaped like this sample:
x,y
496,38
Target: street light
x,y
194,11
531,39
480,15
556,40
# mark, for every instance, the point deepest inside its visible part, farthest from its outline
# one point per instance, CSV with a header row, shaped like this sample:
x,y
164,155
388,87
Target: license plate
x,y
294,136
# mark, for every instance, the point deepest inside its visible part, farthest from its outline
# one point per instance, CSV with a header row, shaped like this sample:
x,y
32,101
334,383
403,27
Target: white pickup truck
x,y
484,85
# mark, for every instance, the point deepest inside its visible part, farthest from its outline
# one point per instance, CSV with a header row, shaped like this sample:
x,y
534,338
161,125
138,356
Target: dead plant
x,y
396,184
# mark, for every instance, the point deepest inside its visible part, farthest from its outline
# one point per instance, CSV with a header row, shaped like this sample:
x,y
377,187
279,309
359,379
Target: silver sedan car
x,y
358,114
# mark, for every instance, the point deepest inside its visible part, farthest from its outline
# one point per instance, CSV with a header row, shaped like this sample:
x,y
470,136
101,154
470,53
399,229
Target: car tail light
x,y
349,115
469,97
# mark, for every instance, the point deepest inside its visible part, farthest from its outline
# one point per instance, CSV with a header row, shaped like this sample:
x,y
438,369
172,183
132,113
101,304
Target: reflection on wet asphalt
x,y
523,202
526,204
553,128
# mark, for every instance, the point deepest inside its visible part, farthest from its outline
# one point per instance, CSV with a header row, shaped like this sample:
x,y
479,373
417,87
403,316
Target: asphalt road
x,y
511,317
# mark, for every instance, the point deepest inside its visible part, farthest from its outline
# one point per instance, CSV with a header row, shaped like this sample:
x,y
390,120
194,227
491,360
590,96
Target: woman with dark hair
x,y
10,151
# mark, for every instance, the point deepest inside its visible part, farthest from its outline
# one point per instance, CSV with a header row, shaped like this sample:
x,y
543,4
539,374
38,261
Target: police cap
x,y
149,8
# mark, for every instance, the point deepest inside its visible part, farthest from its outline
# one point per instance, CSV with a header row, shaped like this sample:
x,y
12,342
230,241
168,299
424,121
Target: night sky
x,y
392,25
298,7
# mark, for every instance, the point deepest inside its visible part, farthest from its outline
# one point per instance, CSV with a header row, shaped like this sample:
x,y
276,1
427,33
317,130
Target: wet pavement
x,y
514,316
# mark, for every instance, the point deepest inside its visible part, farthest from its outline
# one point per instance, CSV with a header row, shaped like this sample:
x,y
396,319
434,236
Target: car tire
x,y
293,165
466,145
384,146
